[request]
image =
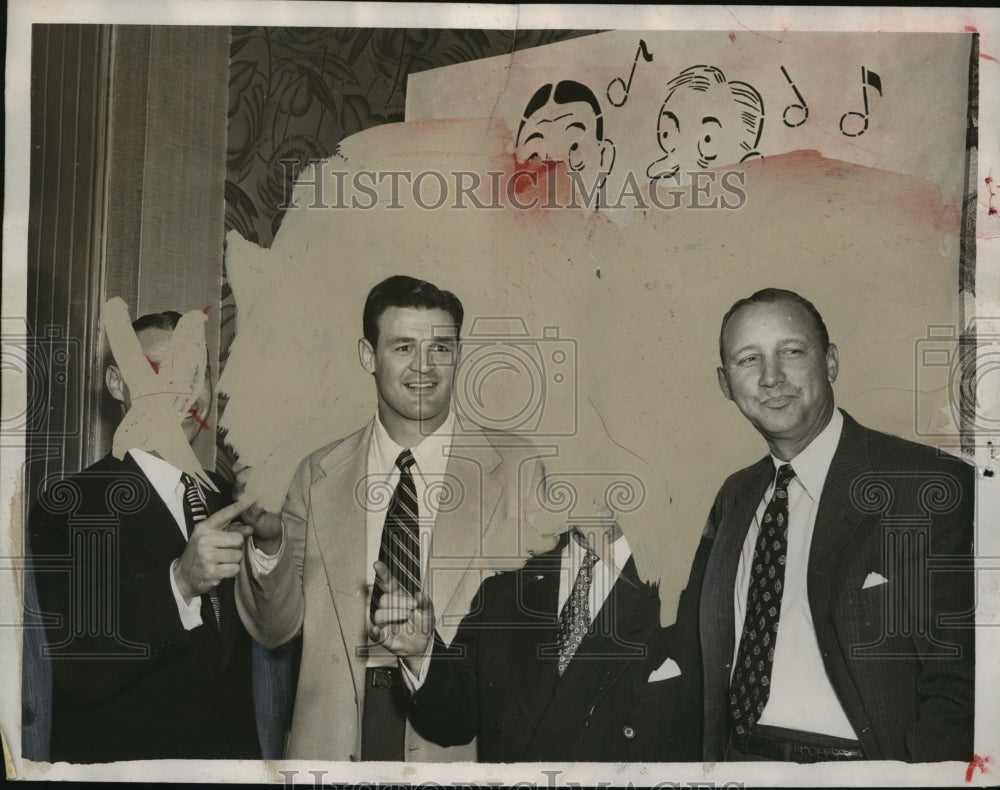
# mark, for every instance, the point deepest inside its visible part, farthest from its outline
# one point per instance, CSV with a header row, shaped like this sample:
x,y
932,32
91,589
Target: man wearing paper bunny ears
x,y
148,655
857,543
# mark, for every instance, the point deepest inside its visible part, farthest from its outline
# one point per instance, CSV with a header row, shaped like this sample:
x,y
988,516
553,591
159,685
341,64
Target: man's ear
x,y
367,355
115,383
832,363
724,383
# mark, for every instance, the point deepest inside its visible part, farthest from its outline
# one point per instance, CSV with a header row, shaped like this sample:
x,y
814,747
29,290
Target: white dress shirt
x,y
605,573
801,697
431,457
166,481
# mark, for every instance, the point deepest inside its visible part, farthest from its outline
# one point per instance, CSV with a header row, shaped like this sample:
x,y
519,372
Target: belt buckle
x,y
383,678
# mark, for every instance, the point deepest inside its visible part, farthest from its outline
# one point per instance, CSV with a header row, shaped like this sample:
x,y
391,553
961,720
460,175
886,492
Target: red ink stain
x,y
732,37
977,762
526,174
992,210
206,308
971,29
153,365
984,56
197,418
988,179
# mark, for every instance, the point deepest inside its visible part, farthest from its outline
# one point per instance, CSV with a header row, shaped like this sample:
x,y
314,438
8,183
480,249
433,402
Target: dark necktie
x,y
400,546
751,684
574,619
197,511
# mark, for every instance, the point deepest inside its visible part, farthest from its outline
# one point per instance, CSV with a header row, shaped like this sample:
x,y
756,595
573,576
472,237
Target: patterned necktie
x,y
400,547
574,619
197,510
751,684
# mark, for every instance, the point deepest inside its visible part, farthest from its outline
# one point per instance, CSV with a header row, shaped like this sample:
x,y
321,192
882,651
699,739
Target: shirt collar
x,y
812,464
619,550
431,454
162,475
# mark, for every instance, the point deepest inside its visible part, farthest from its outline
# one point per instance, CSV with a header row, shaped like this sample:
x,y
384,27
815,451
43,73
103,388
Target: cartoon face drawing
x,y
565,125
706,121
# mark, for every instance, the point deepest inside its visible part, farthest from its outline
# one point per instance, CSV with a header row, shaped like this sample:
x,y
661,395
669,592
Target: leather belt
x,y
384,677
790,750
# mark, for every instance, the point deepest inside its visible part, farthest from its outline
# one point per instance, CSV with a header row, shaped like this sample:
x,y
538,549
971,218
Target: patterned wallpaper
x,y
295,93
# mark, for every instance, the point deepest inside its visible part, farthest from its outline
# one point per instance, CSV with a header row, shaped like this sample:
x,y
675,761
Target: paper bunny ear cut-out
x,y
160,397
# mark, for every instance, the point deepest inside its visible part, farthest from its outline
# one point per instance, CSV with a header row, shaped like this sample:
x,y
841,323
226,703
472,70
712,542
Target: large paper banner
x,y
598,205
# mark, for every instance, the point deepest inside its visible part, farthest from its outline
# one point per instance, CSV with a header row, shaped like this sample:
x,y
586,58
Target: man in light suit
x,y
143,665
312,569
874,656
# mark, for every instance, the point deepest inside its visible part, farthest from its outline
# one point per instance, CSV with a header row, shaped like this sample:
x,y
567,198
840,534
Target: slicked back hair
x,y
167,320
771,296
566,92
403,291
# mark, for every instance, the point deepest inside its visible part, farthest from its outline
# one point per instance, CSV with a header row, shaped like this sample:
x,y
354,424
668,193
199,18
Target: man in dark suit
x,y
148,654
563,659
874,656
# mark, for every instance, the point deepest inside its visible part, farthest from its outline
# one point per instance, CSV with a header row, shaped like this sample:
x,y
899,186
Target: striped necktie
x,y
400,546
197,510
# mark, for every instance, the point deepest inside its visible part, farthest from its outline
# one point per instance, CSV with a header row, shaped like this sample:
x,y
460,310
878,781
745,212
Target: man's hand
x,y
265,524
403,624
212,553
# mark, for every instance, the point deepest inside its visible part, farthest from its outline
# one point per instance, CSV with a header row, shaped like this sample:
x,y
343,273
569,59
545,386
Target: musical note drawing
x,y
620,86
798,111
868,79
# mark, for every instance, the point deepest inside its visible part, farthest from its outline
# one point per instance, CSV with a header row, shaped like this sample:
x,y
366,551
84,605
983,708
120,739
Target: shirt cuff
x,y
262,563
414,682
190,613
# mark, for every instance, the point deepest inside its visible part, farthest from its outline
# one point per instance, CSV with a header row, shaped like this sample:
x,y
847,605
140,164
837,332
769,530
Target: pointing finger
x,y
221,518
244,529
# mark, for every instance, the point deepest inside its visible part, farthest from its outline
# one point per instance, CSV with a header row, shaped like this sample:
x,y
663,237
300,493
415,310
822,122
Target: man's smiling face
x,y
414,366
777,372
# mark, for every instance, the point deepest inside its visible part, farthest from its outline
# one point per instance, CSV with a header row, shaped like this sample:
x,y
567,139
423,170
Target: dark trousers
x,y
383,724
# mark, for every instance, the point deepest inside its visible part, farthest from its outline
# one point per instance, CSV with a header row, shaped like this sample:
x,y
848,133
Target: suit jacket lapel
x,y
836,520
153,527
719,628
618,637
340,498
534,672
228,629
